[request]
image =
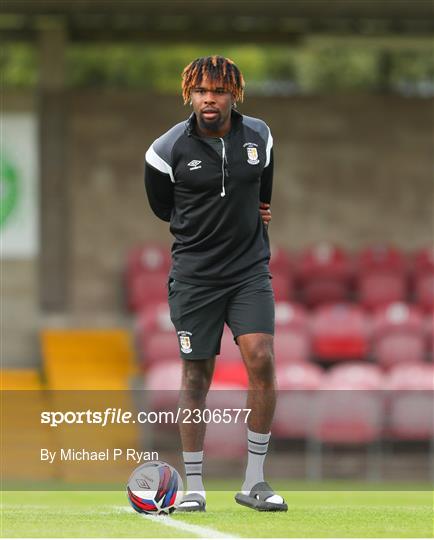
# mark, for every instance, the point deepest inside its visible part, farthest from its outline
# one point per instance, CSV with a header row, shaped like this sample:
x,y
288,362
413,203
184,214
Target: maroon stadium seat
x,y
378,288
155,318
411,391
292,341
164,382
229,350
282,287
340,332
381,257
226,440
280,261
398,335
424,291
150,258
381,276
160,347
147,289
324,274
297,384
350,406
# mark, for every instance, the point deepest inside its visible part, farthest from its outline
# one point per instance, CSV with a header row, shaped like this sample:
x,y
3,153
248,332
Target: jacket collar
x,y
236,120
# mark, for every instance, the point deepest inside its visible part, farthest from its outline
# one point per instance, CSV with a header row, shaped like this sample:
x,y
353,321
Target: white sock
x,y
257,445
193,472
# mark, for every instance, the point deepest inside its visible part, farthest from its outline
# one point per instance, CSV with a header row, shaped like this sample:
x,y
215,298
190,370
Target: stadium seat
x,y
381,257
87,359
424,291
280,262
232,373
349,409
147,290
292,341
282,287
423,261
297,384
154,318
411,402
229,350
20,379
324,274
226,440
149,258
158,347
381,276
163,382
398,335
340,332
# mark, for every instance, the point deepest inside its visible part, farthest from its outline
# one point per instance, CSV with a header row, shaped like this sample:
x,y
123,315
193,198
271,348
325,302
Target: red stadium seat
x,y
226,440
155,318
282,287
280,262
150,258
231,373
356,376
340,332
381,276
350,406
291,347
398,335
381,257
159,347
297,384
423,261
324,274
164,382
378,288
292,341
147,289
229,350
411,392
424,291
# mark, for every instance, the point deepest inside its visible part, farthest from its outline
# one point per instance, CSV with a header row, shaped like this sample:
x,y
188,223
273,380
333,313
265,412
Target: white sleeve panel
x,y
269,147
153,159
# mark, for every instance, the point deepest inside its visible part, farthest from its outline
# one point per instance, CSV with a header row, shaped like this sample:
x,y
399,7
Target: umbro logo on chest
x,y
195,164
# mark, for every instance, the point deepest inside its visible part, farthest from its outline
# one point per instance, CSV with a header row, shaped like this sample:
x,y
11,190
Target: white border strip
x,y
202,532
158,163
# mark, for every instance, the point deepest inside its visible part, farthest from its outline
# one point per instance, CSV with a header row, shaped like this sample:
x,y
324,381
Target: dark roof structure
x,y
259,21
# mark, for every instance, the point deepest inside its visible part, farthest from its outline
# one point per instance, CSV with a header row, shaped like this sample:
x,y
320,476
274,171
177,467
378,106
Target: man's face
x,y
212,105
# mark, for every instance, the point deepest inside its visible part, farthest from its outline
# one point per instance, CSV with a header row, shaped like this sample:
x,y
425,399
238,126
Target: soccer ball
x,y
155,488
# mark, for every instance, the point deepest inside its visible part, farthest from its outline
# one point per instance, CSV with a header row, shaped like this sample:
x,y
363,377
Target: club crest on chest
x,y
252,153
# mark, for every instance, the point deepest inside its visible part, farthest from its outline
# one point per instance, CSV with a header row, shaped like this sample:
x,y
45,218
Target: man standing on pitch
x,y
211,178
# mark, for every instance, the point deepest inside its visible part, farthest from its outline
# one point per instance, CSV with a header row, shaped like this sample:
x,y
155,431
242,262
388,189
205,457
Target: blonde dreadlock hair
x,y
217,69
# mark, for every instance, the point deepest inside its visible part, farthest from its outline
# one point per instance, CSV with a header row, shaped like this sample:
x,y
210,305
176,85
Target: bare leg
x,y
257,353
196,380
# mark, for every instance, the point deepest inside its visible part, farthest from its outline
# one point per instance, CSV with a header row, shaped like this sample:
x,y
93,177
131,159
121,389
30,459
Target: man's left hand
x,y
265,211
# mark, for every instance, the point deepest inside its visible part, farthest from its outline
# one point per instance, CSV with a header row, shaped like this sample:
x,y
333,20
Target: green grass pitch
x,y
321,514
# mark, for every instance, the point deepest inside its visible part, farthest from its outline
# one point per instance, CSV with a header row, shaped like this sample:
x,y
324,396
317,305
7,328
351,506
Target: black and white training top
x,y
209,190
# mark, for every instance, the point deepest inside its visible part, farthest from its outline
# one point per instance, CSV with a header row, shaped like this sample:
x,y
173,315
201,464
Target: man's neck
x,y
224,130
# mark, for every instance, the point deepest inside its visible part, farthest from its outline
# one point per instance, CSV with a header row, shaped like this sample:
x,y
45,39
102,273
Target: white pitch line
x,y
202,532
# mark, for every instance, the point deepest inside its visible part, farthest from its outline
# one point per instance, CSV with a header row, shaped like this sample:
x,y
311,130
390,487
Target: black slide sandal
x,y
257,499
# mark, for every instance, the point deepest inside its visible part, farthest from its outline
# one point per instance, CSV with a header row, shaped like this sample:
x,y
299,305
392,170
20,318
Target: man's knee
x,y
197,375
259,359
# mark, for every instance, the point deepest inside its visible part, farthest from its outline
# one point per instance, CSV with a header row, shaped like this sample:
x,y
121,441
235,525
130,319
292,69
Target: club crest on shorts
x,y
185,342
252,153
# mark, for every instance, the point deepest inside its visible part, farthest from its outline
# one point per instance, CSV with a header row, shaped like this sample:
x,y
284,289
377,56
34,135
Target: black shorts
x,y
199,313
